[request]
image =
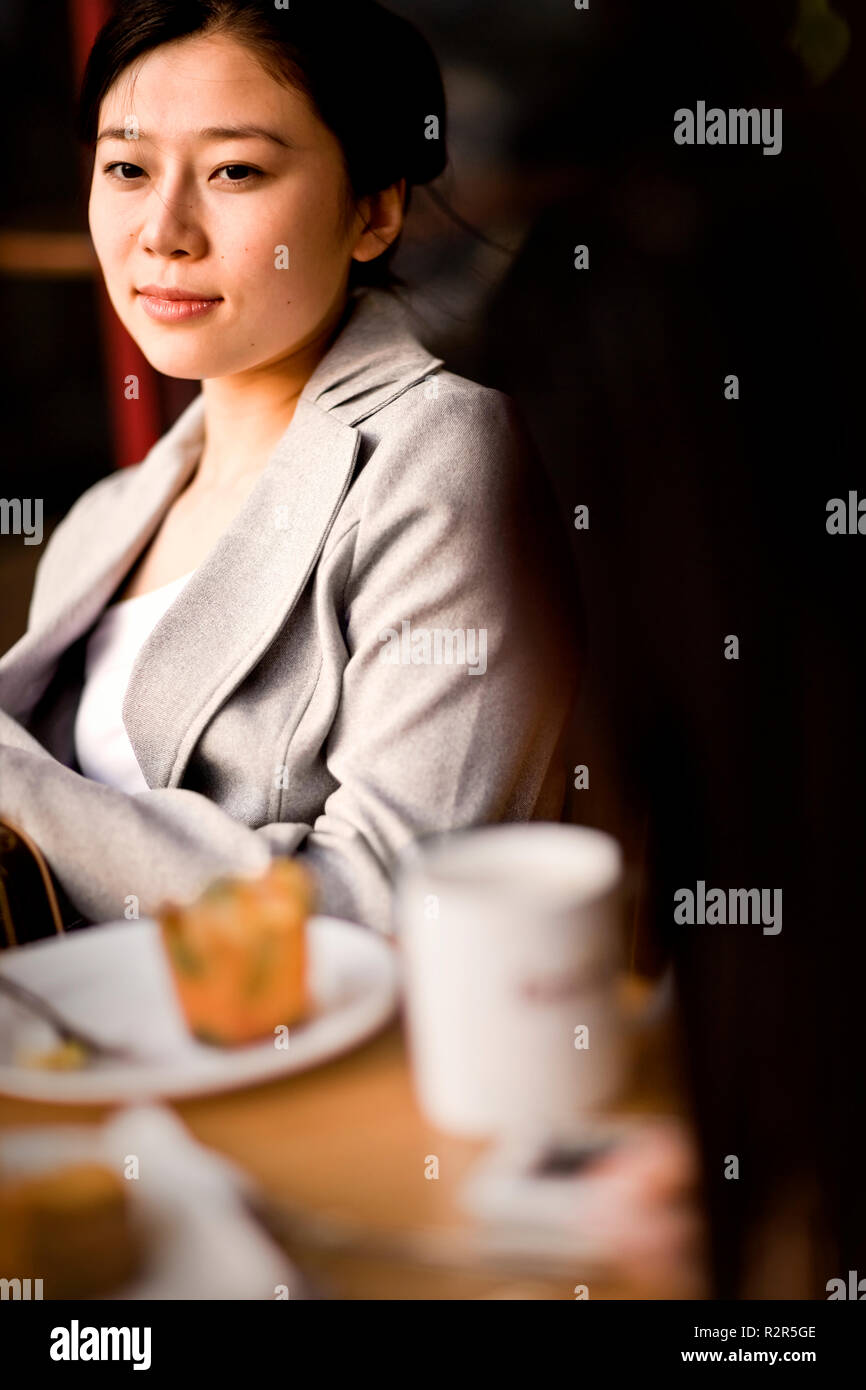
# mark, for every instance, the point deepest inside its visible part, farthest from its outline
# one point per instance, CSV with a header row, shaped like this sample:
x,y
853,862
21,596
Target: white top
x,y
102,747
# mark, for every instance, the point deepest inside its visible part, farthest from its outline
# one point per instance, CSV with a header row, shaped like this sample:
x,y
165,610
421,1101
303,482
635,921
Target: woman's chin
x,y
186,365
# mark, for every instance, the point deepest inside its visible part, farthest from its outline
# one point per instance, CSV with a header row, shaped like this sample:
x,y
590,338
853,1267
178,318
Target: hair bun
x,y
390,113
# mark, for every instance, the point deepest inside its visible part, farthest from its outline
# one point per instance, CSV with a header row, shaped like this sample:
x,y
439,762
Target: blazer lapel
x,y
232,608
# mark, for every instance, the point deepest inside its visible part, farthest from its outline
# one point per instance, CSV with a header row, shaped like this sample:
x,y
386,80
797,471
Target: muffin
x,y
70,1228
238,954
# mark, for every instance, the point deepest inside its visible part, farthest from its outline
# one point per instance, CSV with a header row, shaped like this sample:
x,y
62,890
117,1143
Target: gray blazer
x,y
365,656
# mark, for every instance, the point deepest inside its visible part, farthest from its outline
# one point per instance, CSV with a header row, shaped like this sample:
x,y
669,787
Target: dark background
x,y
707,516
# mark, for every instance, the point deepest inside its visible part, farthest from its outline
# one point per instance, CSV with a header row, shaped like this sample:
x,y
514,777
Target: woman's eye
x,y
246,171
121,178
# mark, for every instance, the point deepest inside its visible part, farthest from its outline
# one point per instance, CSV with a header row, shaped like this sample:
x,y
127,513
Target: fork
x,y
65,1030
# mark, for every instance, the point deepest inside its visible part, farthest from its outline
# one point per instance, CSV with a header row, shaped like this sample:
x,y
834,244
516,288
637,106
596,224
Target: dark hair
x,y
371,76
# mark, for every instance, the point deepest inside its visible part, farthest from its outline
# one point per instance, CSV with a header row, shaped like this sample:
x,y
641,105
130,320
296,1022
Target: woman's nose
x,y
171,224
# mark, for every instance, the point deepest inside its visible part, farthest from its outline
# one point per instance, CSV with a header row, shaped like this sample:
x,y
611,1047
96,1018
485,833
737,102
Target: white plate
x,y
113,981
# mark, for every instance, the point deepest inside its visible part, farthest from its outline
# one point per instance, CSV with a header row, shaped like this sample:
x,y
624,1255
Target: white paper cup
x,y
512,944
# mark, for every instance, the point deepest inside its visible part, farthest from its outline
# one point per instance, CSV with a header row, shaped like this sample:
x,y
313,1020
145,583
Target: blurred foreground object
x,y
625,1200
70,1229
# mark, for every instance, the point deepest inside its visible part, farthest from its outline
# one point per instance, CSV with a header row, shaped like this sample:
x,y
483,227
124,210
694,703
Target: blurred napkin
x,y
190,1202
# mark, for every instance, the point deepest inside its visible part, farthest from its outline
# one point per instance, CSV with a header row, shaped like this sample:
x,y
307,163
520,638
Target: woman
x,y
321,617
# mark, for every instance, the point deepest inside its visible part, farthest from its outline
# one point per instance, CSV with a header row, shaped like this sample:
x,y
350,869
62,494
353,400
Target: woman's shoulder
x,y
97,506
449,457
446,426
91,509
451,396
89,520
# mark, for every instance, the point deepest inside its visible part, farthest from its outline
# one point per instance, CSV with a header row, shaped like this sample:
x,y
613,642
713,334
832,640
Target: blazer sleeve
x,y
450,540
14,735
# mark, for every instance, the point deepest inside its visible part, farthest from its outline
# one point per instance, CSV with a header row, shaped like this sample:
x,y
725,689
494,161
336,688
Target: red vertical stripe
x,y
136,422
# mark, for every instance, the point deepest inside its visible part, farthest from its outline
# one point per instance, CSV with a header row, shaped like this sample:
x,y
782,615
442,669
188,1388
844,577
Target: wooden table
x,y
340,1154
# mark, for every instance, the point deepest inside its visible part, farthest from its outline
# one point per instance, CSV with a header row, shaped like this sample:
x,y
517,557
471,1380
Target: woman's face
x,y
258,224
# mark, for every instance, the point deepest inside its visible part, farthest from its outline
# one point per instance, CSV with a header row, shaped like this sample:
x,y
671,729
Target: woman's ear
x,y
382,215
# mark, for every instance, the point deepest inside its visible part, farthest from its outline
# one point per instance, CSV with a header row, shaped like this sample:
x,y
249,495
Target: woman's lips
x,y
175,310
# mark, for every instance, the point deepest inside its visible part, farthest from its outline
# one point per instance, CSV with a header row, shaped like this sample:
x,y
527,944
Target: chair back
x,y
31,903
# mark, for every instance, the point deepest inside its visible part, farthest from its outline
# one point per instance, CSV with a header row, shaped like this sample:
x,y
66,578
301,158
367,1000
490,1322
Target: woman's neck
x,y
246,415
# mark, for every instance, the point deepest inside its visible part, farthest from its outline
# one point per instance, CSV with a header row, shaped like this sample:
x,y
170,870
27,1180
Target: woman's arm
x,y
105,845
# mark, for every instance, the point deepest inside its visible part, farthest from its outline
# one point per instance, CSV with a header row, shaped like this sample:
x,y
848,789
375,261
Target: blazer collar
x,y
373,360
242,593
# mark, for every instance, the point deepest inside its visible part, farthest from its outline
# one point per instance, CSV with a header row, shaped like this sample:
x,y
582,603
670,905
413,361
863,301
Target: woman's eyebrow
x,y
213,132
